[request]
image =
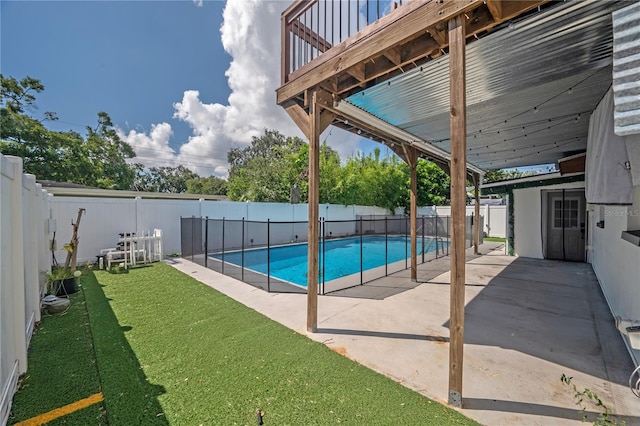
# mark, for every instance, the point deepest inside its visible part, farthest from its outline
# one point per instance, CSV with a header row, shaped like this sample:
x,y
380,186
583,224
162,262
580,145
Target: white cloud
x,y
152,149
198,3
250,34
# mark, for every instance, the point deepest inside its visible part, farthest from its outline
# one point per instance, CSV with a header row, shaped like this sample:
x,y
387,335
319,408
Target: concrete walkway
x,y
527,322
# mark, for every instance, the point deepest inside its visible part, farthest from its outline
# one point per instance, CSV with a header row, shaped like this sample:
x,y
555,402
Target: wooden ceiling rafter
x,y
394,55
495,7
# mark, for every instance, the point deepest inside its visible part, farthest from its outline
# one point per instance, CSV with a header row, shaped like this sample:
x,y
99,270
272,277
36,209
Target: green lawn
x,y
61,369
494,239
170,350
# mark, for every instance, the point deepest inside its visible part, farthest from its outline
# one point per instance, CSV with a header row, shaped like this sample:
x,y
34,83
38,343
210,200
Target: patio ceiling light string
x,y
558,144
573,118
517,157
535,109
524,126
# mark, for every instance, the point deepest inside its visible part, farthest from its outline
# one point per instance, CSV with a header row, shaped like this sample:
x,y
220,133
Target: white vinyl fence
x,y
106,218
24,222
495,217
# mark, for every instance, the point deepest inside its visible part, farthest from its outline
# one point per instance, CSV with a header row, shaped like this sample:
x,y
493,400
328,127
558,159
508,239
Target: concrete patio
x,y
527,322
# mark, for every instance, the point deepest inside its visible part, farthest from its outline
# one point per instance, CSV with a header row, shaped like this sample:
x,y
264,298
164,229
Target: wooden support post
x,y
314,195
476,215
412,159
458,124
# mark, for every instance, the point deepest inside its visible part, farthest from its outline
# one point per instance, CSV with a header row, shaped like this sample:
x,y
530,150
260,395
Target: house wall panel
x,y
615,261
527,211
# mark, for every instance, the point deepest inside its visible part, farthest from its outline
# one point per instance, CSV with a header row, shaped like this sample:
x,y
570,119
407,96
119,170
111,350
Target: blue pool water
x,y
341,257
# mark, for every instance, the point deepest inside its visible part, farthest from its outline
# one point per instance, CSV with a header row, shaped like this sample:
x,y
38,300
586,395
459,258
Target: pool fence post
x,y
386,246
406,250
223,226
206,240
476,214
323,251
436,226
448,233
268,255
422,249
193,236
242,245
361,273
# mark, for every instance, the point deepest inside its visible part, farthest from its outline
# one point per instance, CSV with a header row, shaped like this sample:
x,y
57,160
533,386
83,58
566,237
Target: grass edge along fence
x,y
271,255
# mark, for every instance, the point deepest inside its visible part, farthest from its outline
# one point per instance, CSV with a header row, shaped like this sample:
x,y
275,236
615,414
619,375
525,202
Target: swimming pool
x,y
341,257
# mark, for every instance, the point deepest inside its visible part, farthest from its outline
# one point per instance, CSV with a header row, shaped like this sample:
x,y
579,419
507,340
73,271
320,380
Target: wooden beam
x,y
300,117
412,157
358,72
495,7
396,148
326,118
414,52
365,127
439,34
331,84
394,55
458,113
511,9
295,9
572,164
476,214
313,226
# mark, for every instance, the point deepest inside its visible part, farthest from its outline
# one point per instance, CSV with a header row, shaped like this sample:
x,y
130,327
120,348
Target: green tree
x,y
273,164
372,181
434,185
263,170
211,185
296,172
16,95
163,179
99,160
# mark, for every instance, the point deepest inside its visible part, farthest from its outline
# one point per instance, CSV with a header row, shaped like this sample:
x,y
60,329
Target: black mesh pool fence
x,y
273,255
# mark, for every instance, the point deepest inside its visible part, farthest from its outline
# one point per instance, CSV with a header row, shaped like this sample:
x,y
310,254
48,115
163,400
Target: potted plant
x,y
62,280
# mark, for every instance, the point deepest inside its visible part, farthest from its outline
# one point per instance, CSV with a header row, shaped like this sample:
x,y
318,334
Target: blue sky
x,y
183,81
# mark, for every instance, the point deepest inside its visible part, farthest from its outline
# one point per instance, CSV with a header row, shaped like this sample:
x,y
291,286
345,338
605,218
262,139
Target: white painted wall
x,y
615,261
527,213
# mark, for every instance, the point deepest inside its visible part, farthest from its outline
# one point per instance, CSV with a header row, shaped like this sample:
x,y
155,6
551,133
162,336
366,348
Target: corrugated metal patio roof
x,y
531,87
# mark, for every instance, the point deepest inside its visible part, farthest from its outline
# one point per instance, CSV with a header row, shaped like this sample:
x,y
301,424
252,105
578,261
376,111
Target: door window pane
x,y
557,213
567,217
